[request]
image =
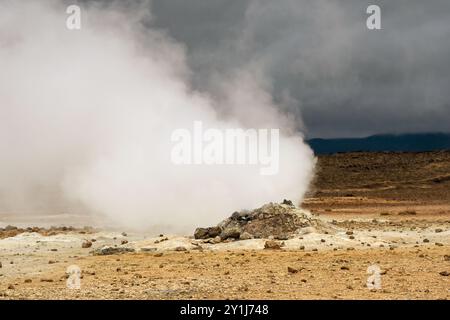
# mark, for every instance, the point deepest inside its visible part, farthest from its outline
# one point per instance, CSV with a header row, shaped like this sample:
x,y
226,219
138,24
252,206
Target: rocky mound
x,y
274,220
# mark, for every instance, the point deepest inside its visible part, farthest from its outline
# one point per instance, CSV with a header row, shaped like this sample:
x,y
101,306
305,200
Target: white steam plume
x,y
86,119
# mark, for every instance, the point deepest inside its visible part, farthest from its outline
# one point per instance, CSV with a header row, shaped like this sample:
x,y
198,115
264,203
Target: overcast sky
x,y
343,79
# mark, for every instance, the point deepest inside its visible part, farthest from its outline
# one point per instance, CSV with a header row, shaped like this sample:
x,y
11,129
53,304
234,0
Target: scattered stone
x,y
46,280
438,230
345,268
349,233
215,240
438,244
157,255
148,249
280,221
446,257
180,249
124,234
292,270
426,240
112,250
88,272
86,244
444,273
51,261
11,287
272,244
124,242
27,281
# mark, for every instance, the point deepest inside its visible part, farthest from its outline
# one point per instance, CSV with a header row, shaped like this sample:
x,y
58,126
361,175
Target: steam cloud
x,y
86,119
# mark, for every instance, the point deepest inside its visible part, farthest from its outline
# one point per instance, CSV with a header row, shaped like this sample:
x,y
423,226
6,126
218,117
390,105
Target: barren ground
x,y
390,209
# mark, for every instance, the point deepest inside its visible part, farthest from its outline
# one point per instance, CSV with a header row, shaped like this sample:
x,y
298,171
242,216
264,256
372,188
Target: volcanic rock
x,y
272,244
281,221
86,244
205,233
112,250
233,233
292,270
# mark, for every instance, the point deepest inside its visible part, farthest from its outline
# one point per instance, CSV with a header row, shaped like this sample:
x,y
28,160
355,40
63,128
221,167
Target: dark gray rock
x,y
112,250
230,233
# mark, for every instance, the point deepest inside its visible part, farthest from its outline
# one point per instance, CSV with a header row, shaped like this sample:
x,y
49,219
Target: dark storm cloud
x,y
343,79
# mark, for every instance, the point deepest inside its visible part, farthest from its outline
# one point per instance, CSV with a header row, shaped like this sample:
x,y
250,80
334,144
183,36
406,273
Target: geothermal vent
x,y
273,220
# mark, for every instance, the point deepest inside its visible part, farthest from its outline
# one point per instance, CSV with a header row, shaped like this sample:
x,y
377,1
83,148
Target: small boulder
x,y
216,240
205,233
112,250
292,270
86,244
214,232
272,244
230,233
201,233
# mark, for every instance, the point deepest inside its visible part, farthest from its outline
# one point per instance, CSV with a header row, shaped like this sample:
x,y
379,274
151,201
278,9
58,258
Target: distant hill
x,y
385,142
